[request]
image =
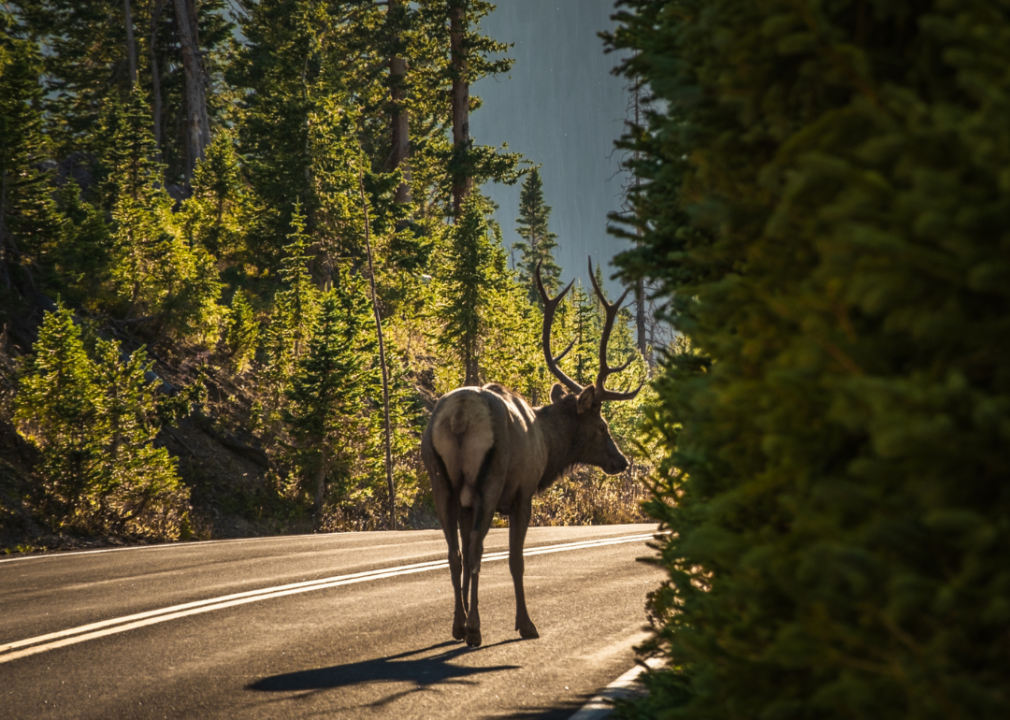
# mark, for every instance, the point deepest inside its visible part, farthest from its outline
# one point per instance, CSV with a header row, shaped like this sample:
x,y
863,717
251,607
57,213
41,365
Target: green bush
x,y
825,204
95,424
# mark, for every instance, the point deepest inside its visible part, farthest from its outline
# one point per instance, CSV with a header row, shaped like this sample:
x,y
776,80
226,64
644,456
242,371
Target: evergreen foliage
x,y
325,394
81,256
28,216
213,216
86,65
154,273
538,242
56,411
95,423
243,332
95,211
824,209
475,270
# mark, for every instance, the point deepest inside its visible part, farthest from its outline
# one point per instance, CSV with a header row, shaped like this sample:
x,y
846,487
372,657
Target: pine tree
x,y
135,487
242,336
28,216
475,270
823,207
295,307
81,255
213,216
153,271
582,326
538,242
95,423
86,63
325,395
55,410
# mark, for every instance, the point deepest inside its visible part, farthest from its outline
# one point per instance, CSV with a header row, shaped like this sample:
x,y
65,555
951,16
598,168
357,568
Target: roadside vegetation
x,y
205,211
824,208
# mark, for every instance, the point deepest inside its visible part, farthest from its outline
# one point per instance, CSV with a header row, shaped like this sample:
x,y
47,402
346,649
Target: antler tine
x,y
611,310
550,305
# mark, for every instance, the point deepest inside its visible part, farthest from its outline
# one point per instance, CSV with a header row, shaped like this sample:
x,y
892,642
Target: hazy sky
x,y
562,108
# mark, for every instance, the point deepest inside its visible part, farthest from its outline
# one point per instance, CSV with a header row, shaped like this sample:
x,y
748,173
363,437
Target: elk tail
x,y
460,420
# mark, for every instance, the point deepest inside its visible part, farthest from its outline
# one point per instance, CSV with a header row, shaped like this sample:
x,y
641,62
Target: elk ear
x,y
587,398
557,393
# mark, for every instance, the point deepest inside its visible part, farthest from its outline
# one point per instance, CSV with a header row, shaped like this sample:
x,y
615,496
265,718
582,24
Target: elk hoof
x,y
457,632
528,631
473,638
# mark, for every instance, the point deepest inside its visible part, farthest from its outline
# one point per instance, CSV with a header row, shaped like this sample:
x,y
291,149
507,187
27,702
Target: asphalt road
x,y
354,625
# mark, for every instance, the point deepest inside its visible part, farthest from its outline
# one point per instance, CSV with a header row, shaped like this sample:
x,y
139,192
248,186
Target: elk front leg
x,y
519,521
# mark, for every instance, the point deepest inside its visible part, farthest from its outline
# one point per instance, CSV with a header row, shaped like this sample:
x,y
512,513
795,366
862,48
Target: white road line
x,y
601,706
51,641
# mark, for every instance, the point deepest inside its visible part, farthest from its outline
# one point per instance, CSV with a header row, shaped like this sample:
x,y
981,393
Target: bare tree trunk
x,y
461,182
4,272
197,120
400,119
471,369
155,73
324,468
640,325
391,522
640,319
131,47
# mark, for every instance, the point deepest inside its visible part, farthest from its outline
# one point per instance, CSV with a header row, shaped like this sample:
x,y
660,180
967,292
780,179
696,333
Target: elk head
x,y
590,439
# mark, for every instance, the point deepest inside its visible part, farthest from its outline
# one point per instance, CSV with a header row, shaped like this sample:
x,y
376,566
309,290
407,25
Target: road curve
x,y
347,625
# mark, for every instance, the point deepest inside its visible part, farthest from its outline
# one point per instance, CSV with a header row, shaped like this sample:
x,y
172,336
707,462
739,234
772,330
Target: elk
x,y
486,449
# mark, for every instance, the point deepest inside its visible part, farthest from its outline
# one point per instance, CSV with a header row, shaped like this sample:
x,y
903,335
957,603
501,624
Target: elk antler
x,y
550,305
611,310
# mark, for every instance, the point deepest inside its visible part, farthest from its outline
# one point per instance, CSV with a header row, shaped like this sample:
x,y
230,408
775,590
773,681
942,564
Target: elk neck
x,y
558,425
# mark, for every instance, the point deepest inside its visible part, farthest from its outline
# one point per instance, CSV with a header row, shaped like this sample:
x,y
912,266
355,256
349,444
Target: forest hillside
x,y
243,248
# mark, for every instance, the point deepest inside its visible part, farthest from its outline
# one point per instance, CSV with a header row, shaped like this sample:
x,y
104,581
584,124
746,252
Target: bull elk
x,y
487,450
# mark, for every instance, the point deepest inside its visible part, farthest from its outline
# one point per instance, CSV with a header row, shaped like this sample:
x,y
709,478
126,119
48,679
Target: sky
x,y
560,107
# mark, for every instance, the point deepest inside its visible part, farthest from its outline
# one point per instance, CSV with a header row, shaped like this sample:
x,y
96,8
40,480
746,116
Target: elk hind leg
x,y
480,522
455,570
519,521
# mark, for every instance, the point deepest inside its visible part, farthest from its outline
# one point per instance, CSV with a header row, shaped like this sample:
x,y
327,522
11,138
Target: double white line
x,y
51,641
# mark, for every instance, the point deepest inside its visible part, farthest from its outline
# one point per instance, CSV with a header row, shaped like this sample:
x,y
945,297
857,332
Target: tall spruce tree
x,y
474,271
28,217
135,487
55,410
824,208
538,242
156,275
325,394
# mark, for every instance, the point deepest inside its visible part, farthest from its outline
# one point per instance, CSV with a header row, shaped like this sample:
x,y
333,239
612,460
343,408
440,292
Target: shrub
x,y
825,204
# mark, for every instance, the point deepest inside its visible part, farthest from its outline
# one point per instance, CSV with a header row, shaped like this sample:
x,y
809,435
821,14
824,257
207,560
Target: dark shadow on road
x,y
561,711
422,672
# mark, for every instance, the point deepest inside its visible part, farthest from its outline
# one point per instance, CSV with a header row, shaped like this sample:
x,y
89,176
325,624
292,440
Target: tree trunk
x,y
461,182
640,325
640,319
390,486
155,73
131,47
197,120
4,272
324,468
471,369
399,117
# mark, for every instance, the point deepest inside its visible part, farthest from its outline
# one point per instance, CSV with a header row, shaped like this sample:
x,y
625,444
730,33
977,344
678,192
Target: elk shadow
x,y
422,673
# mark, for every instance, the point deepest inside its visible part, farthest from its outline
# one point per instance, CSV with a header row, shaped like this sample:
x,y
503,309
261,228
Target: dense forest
x,y
243,247
824,210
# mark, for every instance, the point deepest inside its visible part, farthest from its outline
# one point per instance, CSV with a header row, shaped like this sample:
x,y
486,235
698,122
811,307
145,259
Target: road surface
x,y
351,625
